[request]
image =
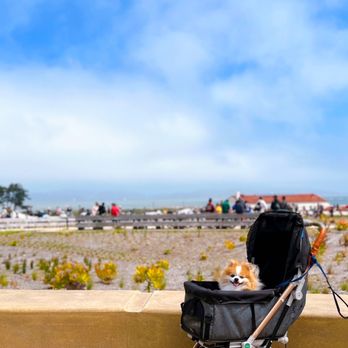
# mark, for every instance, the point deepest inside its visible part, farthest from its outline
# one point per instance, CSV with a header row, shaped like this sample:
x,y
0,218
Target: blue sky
x,y
192,96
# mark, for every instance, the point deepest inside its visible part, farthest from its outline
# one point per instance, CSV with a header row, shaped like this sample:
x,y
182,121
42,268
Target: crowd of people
x,y
243,207
225,207
238,206
97,209
100,209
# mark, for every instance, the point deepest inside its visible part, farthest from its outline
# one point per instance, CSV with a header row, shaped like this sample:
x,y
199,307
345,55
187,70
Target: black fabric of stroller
x,y
278,243
215,316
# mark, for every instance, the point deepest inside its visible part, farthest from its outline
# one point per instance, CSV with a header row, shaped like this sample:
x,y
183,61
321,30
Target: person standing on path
x,y
226,206
275,205
115,210
284,204
210,208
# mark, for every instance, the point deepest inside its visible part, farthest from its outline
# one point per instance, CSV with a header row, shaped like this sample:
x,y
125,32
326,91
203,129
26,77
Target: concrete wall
x,y
123,319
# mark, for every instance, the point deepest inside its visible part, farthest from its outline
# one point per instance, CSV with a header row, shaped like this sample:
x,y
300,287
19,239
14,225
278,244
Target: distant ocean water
x,y
341,200
77,200
52,201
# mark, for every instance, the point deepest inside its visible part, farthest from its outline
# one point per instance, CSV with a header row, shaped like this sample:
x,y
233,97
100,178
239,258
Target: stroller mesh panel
x,y
278,244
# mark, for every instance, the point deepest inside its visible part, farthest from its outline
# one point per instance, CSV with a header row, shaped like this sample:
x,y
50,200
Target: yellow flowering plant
x,y
164,264
342,225
69,275
153,275
106,271
229,245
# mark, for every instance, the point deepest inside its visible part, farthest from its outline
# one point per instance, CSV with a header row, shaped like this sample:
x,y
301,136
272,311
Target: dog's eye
x,y
232,275
241,277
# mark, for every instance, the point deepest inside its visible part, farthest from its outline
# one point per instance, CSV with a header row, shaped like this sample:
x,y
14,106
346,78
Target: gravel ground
x,y
188,252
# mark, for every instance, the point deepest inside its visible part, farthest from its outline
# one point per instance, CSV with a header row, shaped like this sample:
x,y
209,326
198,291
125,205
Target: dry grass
x,y
192,254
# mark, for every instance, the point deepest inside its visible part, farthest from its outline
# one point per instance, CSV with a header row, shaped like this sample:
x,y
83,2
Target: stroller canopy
x,y
278,243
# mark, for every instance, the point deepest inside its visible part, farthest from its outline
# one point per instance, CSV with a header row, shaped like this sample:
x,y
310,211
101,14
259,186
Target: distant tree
x,y
3,190
15,195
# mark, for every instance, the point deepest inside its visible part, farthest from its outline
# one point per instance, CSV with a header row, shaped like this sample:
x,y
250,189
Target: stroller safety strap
x,y
335,295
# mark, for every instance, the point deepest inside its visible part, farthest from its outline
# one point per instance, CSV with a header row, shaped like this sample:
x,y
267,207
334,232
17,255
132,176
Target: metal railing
x,y
204,220
36,223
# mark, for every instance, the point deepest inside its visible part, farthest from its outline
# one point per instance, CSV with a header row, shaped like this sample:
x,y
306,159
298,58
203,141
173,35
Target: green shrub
x,y
120,230
24,266
44,265
3,280
243,238
189,275
344,286
199,276
16,268
121,284
34,276
339,257
325,290
87,262
48,266
8,264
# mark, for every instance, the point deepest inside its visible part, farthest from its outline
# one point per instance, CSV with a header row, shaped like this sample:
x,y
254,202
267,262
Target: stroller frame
x,y
293,292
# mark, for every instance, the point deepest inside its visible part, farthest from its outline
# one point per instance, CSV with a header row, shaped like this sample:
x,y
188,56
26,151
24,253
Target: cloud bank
x,y
185,92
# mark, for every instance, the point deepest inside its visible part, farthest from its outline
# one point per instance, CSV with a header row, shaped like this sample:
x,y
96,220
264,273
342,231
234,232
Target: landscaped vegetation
x,y
138,259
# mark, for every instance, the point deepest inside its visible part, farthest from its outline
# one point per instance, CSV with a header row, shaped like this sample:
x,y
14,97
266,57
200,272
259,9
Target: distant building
x,y
306,201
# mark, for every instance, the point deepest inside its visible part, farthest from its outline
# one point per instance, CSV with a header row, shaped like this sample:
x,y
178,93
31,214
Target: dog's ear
x,y
252,268
232,262
247,265
255,269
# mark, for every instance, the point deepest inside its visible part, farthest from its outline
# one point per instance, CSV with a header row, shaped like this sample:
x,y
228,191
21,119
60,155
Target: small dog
x,y
240,276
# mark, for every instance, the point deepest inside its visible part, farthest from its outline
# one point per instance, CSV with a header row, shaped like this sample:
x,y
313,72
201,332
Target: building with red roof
x,y
302,201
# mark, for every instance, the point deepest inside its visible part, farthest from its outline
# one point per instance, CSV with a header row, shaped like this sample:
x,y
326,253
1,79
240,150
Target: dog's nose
x,y
235,280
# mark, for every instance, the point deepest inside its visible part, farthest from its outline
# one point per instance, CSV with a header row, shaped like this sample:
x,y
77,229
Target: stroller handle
x,y
321,236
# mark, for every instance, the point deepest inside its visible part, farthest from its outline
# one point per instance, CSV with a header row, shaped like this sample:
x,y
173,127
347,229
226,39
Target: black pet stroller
x,y
278,243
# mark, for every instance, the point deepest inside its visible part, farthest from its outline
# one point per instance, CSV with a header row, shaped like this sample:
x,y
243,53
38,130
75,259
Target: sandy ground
x,y
188,252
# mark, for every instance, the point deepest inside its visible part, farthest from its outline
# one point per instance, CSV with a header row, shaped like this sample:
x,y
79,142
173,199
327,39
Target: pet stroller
x,y
278,243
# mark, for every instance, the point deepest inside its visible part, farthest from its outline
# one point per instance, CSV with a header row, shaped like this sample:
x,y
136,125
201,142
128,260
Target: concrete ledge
x,y
125,319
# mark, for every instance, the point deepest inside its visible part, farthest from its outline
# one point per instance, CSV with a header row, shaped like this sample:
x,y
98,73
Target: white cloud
x,y
75,126
207,75
73,120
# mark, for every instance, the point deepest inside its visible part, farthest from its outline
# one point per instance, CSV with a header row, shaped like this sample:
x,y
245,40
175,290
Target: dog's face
x,y
240,276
